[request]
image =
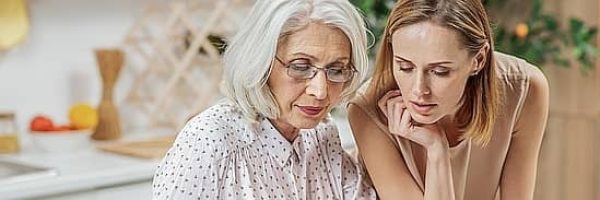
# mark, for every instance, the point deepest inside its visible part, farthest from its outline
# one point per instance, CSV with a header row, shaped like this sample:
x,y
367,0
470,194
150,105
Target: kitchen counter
x,y
131,191
84,170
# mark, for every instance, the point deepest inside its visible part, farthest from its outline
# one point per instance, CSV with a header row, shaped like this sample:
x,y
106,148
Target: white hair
x,y
250,54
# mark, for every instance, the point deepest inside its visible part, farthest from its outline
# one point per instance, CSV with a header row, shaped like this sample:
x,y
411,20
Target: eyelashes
x,y
408,68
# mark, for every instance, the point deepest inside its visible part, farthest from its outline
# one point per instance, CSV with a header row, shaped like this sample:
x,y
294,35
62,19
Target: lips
x,y
311,111
422,107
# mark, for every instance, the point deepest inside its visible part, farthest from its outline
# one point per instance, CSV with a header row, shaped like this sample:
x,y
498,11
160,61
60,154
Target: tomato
x,y
41,123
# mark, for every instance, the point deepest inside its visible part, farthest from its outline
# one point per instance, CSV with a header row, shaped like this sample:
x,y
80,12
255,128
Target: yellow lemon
x,y
83,116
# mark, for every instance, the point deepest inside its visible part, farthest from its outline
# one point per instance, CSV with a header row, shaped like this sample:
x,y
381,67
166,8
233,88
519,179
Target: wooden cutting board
x,y
154,148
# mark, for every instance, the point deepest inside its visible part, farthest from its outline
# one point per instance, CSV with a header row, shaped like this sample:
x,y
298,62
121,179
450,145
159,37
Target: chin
x,y
303,122
306,124
431,119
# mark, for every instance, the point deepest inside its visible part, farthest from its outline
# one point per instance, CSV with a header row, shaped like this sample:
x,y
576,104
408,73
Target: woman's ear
x,y
480,58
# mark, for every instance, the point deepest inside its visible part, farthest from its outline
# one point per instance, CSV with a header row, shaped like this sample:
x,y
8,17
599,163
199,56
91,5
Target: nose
x,y
317,86
420,87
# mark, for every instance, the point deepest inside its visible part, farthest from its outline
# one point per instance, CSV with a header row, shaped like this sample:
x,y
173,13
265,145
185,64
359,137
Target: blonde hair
x,y
251,52
479,103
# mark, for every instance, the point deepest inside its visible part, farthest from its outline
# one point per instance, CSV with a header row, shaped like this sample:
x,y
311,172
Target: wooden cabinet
x,y
569,165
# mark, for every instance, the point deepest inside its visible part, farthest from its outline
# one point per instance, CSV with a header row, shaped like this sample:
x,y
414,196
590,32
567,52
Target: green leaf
x,y
577,52
550,23
575,25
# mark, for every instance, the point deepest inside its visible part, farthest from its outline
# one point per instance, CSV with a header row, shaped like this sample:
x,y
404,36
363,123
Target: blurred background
x,y
128,73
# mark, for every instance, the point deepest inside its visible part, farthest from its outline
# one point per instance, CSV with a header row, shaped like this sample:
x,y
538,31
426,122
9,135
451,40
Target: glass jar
x,y
9,137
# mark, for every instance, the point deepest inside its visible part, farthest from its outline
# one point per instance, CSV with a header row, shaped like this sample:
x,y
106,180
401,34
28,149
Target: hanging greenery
x,y
539,38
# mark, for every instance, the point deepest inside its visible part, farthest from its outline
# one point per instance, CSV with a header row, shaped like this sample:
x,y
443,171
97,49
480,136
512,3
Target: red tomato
x,y
41,123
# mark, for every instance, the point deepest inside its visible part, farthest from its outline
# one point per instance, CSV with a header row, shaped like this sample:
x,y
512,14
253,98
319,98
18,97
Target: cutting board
x,y
154,148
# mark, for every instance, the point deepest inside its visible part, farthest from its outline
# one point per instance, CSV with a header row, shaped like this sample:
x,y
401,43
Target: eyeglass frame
x,y
316,69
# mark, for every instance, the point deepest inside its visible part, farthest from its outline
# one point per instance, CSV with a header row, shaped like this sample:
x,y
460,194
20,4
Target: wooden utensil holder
x,y
110,62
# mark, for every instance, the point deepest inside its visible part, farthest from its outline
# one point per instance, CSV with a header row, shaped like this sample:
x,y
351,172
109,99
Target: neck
x,y
288,131
453,132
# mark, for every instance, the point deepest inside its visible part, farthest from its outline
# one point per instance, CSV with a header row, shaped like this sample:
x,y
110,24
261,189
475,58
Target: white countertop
x,y
86,169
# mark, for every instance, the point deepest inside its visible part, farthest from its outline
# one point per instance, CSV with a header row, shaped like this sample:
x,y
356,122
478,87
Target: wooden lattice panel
x,y
177,70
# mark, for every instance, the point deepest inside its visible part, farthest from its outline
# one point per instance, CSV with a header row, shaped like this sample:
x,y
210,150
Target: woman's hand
x,y
400,123
438,177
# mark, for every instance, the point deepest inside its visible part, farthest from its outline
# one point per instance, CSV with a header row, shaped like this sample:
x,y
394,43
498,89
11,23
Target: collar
x,y
276,145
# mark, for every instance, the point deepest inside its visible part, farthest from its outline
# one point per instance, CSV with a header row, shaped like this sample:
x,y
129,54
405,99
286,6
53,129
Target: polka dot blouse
x,y
218,155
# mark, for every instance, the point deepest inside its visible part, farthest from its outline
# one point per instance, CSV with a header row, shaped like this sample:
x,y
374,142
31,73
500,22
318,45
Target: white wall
x,y
55,67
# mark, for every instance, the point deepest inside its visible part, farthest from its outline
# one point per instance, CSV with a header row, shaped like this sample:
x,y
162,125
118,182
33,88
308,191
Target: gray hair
x,y
251,52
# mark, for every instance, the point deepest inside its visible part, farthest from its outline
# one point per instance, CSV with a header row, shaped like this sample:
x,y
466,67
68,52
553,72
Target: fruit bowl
x,y
62,141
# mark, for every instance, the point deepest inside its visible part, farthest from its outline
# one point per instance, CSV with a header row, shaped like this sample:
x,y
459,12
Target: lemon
x,y
83,116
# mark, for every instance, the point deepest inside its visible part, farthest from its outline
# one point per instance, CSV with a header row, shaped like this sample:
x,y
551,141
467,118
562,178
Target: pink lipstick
x,y
311,111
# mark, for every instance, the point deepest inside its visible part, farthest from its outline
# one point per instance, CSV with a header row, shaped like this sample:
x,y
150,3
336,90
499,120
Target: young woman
x,y
444,117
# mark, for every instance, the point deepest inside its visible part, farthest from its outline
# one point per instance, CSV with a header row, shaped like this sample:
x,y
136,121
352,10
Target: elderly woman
x,y
444,116
272,138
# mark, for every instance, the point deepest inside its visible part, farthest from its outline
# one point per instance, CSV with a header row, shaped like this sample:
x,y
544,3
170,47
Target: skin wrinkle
x,y
320,45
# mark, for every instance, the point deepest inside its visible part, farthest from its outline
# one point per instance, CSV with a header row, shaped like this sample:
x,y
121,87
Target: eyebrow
x,y
435,63
315,58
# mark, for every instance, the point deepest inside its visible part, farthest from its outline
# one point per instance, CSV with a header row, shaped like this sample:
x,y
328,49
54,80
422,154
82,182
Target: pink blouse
x,y
218,155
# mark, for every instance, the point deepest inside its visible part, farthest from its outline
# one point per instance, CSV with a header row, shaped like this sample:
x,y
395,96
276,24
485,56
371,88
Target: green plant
x,y
539,39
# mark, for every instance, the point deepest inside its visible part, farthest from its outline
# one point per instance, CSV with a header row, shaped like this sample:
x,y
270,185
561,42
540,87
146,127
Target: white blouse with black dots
x,y
218,155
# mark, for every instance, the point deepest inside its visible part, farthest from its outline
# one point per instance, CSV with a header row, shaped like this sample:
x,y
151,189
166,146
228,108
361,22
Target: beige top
x,y
477,171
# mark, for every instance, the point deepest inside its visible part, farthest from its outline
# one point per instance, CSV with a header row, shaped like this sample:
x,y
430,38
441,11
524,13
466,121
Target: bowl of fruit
x,y
73,136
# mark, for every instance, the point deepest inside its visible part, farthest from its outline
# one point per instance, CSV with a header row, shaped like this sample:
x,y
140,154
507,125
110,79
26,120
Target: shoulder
x,y
358,106
217,121
203,148
509,67
357,114
362,114
369,132
223,112
523,85
517,79
220,129
538,92
519,74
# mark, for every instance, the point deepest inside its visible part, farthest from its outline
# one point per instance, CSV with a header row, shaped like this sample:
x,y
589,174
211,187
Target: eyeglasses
x,y
304,71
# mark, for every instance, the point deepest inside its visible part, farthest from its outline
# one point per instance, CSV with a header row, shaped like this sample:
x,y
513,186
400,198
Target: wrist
x,y
438,152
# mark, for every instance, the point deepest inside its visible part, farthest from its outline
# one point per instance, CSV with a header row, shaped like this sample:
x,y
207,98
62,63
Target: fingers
x,y
392,125
397,112
383,101
390,105
383,106
401,123
406,120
